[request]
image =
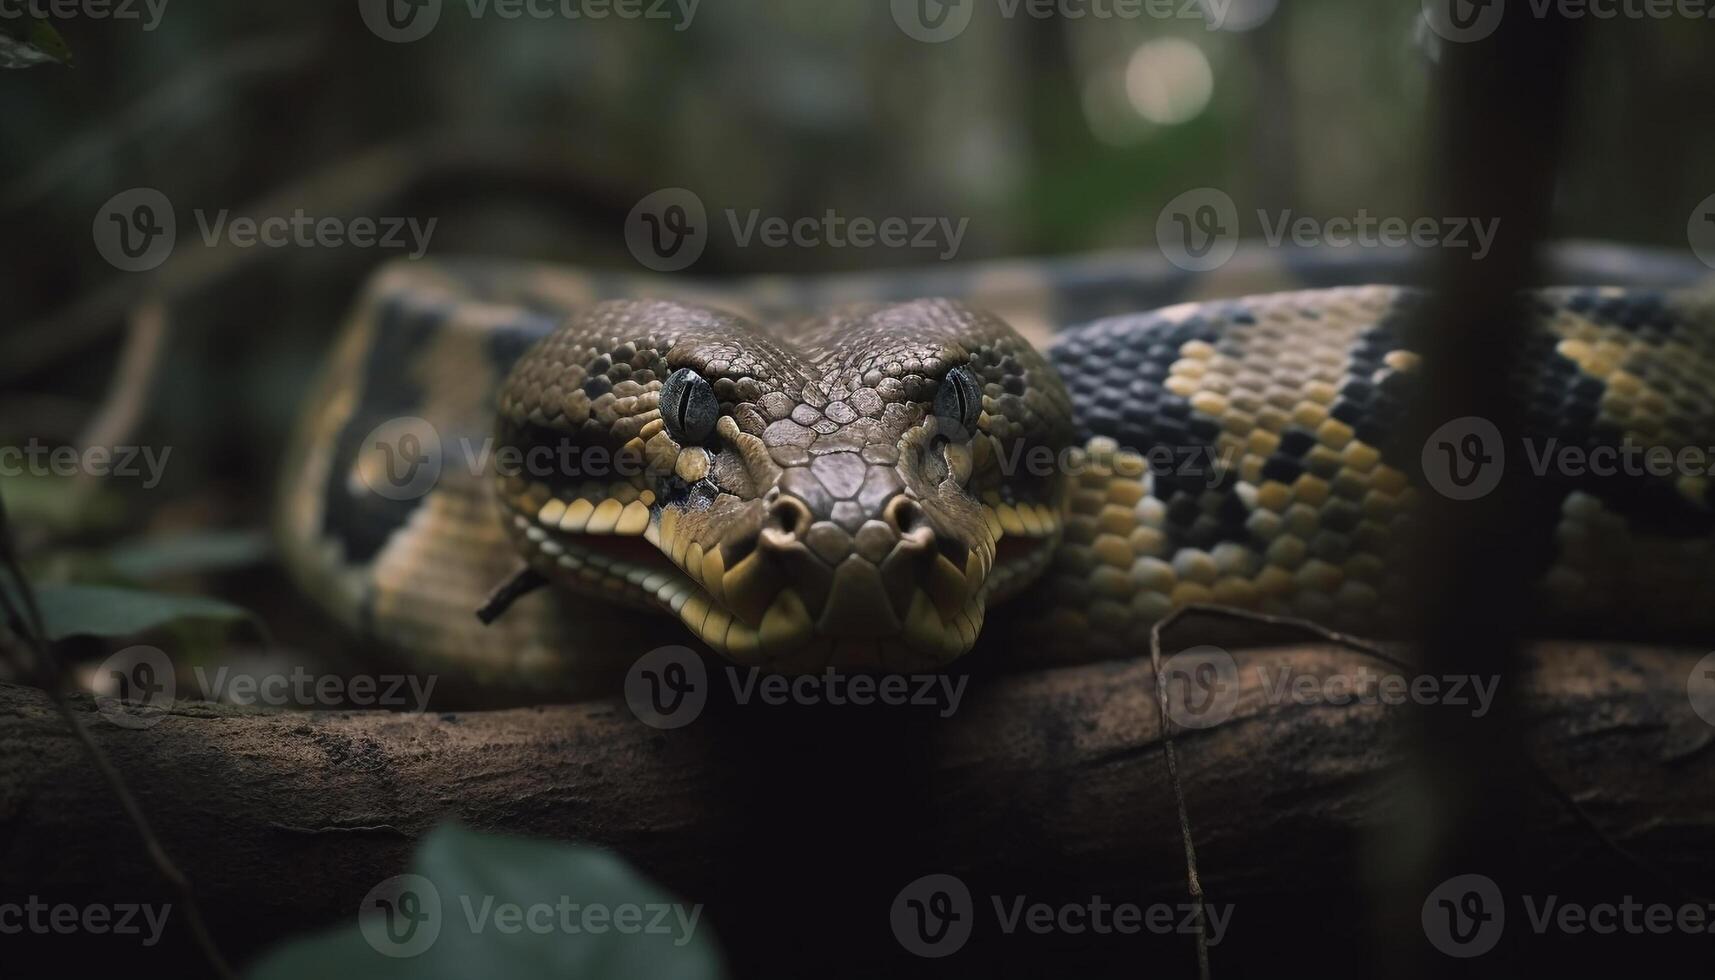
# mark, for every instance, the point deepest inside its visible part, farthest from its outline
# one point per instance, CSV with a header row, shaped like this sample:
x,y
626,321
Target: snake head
x,y
849,491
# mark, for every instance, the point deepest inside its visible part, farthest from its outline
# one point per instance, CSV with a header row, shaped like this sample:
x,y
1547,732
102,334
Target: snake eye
x,y
958,403
688,406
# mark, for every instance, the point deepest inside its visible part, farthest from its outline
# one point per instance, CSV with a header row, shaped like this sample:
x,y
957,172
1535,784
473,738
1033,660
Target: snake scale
x,y
887,471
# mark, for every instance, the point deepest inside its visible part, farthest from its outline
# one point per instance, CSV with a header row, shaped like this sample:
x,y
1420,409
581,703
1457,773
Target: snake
x,y
889,471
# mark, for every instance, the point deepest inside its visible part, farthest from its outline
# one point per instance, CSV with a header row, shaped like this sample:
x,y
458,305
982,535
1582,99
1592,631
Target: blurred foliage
x,y
451,909
104,611
28,41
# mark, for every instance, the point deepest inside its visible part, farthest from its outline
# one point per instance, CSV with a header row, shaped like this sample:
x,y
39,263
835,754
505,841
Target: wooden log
x,y
798,825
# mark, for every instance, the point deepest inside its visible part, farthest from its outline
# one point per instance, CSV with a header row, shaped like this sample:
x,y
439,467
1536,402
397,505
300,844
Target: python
x,y
824,483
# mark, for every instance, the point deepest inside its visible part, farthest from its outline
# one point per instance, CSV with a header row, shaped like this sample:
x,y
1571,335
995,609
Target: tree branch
x,y
1047,782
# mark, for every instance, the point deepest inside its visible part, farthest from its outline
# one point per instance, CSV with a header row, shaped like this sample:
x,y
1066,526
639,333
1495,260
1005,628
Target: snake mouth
x,y
762,599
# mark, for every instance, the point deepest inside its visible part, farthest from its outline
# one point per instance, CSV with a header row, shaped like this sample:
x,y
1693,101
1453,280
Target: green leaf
x,y
190,552
34,42
105,611
479,905
60,505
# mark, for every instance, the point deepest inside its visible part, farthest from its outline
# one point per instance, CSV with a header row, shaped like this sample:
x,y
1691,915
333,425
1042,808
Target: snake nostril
x,y
788,516
905,515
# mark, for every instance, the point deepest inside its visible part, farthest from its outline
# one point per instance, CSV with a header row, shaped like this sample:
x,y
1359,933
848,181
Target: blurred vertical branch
x,y
1497,121
127,401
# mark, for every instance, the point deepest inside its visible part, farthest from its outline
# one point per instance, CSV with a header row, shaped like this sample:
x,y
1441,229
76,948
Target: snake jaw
x,y
787,586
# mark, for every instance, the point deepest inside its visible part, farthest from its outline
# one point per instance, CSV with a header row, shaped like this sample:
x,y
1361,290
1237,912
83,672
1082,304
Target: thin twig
x,y
133,379
1194,882
24,616
127,400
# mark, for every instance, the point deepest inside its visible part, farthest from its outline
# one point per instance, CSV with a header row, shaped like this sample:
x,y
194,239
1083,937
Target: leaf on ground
x,y
188,553
478,905
106,611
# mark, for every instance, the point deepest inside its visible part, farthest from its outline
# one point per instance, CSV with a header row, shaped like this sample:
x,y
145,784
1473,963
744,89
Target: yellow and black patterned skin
x,y
1238,446
1289,490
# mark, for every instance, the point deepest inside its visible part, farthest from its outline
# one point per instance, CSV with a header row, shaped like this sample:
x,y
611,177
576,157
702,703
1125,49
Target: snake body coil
x,y
866,486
